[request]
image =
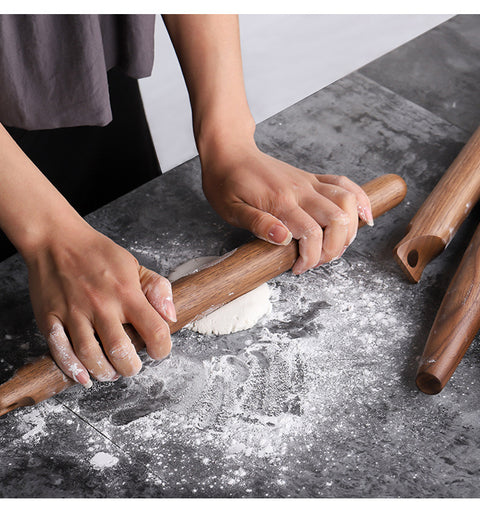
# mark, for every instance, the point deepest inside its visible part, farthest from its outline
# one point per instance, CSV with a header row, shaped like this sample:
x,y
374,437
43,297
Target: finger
x,y
347,201
334,239
364,208
89,351
335,223
118,346
64,355
310,238
263,225
152,328
158,291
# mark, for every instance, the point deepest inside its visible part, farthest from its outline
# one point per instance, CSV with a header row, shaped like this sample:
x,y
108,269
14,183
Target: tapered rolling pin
x,y
456,323
233,275
442,213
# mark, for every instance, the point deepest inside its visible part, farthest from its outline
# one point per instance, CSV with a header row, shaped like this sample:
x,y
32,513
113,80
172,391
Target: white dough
x,y
240,314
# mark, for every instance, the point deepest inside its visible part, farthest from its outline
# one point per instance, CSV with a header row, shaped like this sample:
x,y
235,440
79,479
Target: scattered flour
x,y
103,460
310,378
325,343
36,422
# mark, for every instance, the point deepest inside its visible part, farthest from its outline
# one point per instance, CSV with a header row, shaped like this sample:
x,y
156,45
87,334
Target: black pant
x,y
93,165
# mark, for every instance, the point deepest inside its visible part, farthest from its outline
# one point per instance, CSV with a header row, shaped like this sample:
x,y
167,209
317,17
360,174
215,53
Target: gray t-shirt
x,y
53,68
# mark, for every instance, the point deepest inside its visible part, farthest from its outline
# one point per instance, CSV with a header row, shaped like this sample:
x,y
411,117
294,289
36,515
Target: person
x,y
83,286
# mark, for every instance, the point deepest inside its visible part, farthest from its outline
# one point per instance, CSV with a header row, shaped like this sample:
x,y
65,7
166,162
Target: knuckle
x,y
161,331
97,301
55,333
121,351
104,313
282,203
158,336
92,293
123,290
348,198
86,349
256,221
161,281
340,217
124,358
73,313
313,232
102,372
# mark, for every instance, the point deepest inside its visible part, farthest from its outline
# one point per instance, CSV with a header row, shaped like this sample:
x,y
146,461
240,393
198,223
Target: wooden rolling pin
x,y
233,275
456,323
442,213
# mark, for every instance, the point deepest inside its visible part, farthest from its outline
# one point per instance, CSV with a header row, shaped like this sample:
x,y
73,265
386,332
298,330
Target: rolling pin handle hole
x,y
412,258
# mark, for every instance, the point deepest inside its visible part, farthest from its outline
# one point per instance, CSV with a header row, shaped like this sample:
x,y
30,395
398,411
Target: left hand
x,y
276,201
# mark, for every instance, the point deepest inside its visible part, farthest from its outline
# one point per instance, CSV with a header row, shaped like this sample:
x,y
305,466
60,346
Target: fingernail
x,y
365,214
369,214
278,234
169,309
351,240
299,267
344,250
84,379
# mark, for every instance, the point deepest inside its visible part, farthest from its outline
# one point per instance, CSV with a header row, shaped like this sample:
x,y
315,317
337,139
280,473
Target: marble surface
x,y
318,399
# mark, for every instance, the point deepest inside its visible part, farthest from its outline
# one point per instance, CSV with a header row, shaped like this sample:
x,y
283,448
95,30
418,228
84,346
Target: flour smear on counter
x,y
226,406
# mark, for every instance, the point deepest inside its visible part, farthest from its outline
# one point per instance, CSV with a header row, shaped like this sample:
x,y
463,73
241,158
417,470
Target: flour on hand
x,y
240,314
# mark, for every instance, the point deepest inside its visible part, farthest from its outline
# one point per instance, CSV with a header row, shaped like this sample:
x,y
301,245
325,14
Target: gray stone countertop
x,y
318,399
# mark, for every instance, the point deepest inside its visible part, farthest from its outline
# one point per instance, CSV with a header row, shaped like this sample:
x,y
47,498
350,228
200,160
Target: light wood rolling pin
x,y
234,274
442,213
456,323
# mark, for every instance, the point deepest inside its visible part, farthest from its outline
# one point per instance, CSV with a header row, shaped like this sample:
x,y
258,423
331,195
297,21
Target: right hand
x,y
83,288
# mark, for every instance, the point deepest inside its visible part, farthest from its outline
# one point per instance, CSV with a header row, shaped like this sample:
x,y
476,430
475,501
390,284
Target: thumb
x,y
262,224
158,292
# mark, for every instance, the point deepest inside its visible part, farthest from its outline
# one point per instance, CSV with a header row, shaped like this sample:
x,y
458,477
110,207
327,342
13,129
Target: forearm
x,y
208,48
30,206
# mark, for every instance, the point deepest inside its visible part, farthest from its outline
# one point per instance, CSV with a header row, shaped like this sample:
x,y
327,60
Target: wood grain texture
x,y
456,323
442,213
197,294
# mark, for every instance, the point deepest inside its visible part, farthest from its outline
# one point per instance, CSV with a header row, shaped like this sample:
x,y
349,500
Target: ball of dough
x,y
240,314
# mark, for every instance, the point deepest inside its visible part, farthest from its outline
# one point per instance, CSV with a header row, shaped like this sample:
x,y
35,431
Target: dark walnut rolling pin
x,y
233,275
442,213
456,323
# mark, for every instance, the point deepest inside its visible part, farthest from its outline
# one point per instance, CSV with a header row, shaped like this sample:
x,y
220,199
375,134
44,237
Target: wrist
x,y
61,225
220,136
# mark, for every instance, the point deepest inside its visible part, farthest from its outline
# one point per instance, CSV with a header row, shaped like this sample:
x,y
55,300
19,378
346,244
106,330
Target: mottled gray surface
x,y
318,400
439,70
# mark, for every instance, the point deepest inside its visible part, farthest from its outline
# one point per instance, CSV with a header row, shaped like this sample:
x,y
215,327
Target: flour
x,y
103,460
34,419
306,381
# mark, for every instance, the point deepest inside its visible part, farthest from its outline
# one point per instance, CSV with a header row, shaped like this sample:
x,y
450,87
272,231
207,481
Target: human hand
x,y
83,288
277,201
